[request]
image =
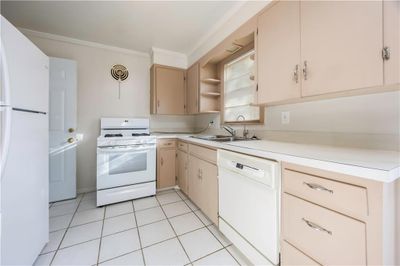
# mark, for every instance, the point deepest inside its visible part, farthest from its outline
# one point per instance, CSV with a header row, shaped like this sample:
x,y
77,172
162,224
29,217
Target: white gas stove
x,y
126,160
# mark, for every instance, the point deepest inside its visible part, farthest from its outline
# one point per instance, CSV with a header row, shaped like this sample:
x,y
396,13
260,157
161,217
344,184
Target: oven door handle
x,y
113,149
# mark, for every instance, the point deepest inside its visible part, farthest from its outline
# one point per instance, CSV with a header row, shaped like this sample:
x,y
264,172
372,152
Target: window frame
x,y
221,66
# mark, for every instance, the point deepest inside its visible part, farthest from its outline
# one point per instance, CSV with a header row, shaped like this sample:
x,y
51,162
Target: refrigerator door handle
x,y
28,111
5,112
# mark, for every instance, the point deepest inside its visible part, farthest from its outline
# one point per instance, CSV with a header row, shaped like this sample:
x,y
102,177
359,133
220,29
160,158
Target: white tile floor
x,y
167,229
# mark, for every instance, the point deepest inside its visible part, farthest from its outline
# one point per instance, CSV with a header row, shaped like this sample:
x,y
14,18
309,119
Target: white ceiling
x,y
137,25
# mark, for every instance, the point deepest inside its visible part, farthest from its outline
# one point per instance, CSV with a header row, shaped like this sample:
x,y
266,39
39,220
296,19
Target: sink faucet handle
x,y
230,130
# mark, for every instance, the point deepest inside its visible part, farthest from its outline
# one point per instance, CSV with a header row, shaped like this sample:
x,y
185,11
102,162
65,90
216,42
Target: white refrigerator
x,y
24,103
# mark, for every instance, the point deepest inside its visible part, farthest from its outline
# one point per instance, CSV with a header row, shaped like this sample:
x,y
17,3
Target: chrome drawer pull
x,y
316,227
317,187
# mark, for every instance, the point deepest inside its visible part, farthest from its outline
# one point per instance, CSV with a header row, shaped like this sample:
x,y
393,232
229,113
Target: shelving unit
x,y
211,81
211,94
209,88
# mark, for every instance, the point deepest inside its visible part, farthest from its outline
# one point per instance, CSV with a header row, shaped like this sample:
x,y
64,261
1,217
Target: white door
x,y
63,84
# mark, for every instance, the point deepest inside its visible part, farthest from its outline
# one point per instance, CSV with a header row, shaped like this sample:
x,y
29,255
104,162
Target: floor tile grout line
x,y
66,230
218,250
137,227
184,250
211,232
101,235
140,240
97,238
119,256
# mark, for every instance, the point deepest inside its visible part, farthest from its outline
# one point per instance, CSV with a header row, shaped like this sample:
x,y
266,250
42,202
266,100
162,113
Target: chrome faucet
x,y
245,131
230,130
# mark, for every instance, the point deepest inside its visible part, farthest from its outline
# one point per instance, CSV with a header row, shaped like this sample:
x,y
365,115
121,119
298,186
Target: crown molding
x,y
231,21
231,12
65,39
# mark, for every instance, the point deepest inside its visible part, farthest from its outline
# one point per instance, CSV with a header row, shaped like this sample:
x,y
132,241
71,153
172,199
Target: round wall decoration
x,y
119,73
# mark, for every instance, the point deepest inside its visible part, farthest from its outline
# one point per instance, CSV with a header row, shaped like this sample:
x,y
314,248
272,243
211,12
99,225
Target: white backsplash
x,y
367,121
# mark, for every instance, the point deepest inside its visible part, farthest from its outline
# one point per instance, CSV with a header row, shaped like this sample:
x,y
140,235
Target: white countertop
x,y
379,165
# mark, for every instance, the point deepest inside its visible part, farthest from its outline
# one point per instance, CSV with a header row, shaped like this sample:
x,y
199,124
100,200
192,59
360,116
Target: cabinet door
x,y
278,51
170,90
192,98
166,168
194,180
182,170
209,190
391,40
341,44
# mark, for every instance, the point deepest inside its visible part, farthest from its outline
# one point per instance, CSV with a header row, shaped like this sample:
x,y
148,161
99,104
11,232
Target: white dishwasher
x,y
249,205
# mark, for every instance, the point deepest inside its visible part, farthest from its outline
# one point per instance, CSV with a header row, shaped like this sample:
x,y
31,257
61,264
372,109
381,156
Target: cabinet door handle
x,y
386,53
305,70
158,103
296,74
162,161
317,187
316,226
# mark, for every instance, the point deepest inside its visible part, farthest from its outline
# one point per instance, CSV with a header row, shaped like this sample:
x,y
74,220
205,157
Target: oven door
x,y
125,165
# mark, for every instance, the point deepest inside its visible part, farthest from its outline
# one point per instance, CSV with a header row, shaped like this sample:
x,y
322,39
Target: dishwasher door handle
x,y
248,170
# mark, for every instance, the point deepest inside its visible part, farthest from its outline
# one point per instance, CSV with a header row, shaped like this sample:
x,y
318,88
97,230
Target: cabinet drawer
x,y
327,236
183,146
203,153
342,197
292,256
166,143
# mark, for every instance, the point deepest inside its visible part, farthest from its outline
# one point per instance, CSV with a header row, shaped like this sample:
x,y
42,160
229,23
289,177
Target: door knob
x,y
70,130
70,140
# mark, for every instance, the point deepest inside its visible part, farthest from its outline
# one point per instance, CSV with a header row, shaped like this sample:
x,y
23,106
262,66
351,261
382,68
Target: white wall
x,y
370,121
98,95
168,58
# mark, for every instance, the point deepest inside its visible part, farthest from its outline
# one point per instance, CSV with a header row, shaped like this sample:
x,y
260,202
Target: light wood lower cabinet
x,y
330,238
335,219
203,182
196,175
293,256
182,170
166,156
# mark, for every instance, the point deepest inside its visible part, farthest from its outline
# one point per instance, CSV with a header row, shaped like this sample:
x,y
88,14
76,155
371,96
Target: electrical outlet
x,y
285,117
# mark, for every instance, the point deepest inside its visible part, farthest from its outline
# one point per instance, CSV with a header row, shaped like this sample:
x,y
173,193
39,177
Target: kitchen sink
x,y
219,138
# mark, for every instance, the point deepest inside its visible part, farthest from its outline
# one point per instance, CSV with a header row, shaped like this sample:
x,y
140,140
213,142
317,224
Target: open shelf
x,y
211,81
210,93
210,112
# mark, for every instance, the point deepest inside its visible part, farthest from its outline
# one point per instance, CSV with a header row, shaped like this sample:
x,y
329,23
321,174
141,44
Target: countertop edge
x,y
353,170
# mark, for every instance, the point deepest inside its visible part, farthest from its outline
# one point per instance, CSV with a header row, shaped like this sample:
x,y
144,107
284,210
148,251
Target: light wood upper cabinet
x,y
167,90
341,44
278,53
182,170
166,163
192,97
391,40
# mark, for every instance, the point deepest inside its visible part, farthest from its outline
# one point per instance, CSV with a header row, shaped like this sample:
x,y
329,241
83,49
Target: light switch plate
x,y
285,117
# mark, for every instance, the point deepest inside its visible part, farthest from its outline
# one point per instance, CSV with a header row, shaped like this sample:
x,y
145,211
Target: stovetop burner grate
x,y
140,134
112,135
